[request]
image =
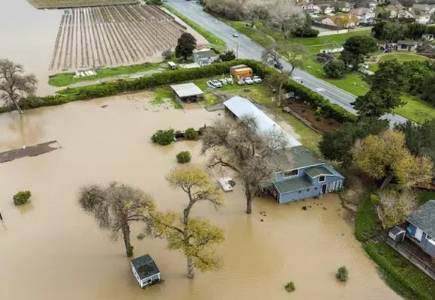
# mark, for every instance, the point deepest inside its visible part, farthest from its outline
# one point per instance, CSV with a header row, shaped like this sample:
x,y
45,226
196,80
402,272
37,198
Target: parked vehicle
x,y
248,80
241,82
235,34
257,79
278,65
217,83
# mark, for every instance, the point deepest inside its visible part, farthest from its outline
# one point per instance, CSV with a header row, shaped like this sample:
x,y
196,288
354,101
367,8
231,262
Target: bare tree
x,y
13,84
193,236
276,81
286,15
395,206
295,56
270,56
115,207
240,147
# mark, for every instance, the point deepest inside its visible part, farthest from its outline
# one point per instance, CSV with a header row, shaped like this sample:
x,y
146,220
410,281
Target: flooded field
x,y
51,249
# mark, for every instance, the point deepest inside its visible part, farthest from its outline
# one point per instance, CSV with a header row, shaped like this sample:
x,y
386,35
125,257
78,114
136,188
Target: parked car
x,y
235,34
249,80
257,79
230,80
241,82
278,65
217,83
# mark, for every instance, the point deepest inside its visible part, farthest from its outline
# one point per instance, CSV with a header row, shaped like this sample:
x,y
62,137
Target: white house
x,y
204,56
423,19
145,270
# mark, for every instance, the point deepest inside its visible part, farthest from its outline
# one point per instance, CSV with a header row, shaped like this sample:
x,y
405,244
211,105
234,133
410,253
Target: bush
x,y
184,157
22,197
374,199
168,54
342,274
335,69
305,31
228,56
191,134
290,287
163,137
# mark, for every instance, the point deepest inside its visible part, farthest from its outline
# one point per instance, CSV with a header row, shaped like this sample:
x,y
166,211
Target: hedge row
x,y
175,76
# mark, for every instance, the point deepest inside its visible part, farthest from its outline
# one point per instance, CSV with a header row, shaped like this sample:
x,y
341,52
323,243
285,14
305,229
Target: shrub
x,y
22,197
342,274
168,54
335,69
191,134
228,56
290,287
184,157
163,137
375,199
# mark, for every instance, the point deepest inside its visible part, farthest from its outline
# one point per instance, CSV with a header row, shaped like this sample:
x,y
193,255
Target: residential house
x,y
407,45
311,8
327,9
341,21
427,37
423,19
405,14
420,228
145,270
364,15
301,174
204,56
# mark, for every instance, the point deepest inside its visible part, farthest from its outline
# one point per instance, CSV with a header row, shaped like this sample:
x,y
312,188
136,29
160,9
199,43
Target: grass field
x,y
65,79
401,57
416,110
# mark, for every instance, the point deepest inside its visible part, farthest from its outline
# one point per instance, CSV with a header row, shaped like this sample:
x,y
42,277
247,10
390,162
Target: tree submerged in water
x,y
115,207
13,84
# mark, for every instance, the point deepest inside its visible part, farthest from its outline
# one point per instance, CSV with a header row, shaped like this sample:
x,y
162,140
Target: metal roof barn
x,y
242,107
186,90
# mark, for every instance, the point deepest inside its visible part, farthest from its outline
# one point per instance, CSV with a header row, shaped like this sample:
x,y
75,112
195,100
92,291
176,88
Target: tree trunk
x,y
190,269
16,105
248,195
127,242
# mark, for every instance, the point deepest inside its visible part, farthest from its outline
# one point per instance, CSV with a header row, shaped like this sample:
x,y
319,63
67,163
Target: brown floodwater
x,y
27,37
51,249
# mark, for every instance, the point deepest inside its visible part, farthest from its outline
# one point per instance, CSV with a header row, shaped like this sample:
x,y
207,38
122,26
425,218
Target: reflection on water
x,y
56,251
28,36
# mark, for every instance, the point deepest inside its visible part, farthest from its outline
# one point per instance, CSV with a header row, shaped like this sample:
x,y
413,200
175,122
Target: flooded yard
x,y
51,249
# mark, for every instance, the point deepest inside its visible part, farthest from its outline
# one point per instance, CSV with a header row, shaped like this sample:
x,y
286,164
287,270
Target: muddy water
x,y
52,250
28,36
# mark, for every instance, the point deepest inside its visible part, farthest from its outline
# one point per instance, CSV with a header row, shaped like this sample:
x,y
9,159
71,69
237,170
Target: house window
x,y
291,173
300,192
321,178
308,190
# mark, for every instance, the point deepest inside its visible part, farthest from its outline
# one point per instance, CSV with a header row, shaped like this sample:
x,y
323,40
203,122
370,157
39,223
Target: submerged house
x,y
420,228
145,270
303,175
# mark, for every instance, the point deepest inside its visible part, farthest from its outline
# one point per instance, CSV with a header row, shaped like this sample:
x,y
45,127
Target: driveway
x,y
246,48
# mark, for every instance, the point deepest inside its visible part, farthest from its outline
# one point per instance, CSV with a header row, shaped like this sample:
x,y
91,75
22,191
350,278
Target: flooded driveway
x,y
51,249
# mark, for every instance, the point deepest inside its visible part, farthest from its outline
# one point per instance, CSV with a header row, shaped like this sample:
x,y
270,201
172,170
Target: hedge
x,y
181,75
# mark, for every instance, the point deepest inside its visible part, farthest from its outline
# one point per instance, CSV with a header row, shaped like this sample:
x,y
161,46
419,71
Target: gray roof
x,y
206,53
407,42
302,157
317,171
242,107
145,266
424,218
293,184
186,90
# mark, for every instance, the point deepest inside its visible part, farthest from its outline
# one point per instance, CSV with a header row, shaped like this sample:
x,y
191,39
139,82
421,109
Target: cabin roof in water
x,y
145,266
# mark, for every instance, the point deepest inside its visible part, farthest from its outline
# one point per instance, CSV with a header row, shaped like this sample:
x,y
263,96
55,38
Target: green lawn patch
x,y
400,56
424,196
367,225
416,110
213,39
65,79
400,274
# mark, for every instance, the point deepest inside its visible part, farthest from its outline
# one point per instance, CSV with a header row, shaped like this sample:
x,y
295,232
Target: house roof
x,y
293,184
145,266
317,171
407,42
204,53
302,157
242,107
186,90
424,218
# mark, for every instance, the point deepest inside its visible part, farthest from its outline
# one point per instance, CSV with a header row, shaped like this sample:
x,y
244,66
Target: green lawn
x,y
65,79
400,56
416,110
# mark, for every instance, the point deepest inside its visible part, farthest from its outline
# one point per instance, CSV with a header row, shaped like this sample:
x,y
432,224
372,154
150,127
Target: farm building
x,y
410,46
204,57
303,175
145,270
187,92
421,227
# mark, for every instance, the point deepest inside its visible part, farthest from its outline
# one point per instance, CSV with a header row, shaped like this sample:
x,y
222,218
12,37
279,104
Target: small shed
x,y
145,270
187,92
410,46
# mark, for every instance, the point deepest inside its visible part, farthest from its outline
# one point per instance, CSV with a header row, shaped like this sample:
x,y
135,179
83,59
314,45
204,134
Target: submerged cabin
x,y
420,228
301,174
187,92
145,270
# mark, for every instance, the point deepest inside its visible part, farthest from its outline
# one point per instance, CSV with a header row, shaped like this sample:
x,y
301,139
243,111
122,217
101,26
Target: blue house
x,y
301,174
420,228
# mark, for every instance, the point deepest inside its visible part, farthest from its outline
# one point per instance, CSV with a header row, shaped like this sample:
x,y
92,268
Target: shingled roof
x,y
424,218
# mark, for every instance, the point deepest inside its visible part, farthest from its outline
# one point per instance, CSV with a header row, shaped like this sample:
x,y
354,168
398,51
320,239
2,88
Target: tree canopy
x,y
185,46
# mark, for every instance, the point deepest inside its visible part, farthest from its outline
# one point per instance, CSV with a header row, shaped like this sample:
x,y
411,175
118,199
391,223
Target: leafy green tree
x,y
163,137
376,103
390,75
356,48
295,56
185,46
228,56
420,139
335,69
194,237
115,207
388,31
338,145
428,89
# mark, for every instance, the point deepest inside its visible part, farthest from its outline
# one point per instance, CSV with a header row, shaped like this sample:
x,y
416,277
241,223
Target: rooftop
x,y
205,53
317,171
186,90
293,184
424,218
242,107
145,266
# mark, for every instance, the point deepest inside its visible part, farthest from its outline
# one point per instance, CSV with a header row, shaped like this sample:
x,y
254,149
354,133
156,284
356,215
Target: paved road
x,y
246,48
